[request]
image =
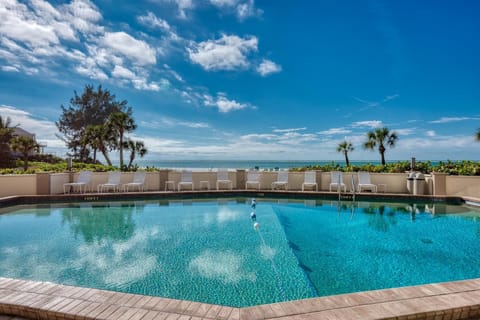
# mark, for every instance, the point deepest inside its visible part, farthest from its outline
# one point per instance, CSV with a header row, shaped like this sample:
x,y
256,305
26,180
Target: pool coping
x,y
145,195
45,300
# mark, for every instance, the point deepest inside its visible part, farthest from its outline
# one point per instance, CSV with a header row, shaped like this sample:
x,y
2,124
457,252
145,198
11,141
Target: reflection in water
x,y
95,224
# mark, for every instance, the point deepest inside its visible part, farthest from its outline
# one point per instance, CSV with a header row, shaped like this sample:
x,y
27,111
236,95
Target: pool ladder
x,y
339,188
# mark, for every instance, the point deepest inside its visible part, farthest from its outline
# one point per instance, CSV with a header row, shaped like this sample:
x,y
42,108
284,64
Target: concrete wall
x,y
463,186
18,184
46,183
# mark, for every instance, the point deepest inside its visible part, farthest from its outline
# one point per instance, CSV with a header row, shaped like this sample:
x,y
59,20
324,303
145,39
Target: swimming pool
x,y
210,251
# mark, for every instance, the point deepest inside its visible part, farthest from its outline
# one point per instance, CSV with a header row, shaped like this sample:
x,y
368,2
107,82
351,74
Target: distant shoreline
x,y
251,164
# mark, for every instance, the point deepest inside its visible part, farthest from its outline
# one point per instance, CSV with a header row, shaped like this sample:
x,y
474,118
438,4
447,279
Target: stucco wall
x,y
30,184
18,184
463,186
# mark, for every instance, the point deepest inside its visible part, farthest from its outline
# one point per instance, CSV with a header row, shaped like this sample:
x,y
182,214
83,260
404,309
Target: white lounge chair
x,y
336,180
83,180
138,181
185,180
282,180
310,180
253,179
112,183
364,182
222,178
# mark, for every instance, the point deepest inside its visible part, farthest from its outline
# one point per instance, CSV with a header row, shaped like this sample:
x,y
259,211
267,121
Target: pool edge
x,y
46,300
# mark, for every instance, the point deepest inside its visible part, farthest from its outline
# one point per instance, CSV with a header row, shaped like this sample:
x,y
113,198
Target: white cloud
x,y
290,130
247,9
121,72
368,124
405,132
333,131
139,52
183,7
223,103
224,3
430,133
242,9
152,21
268,67
226,53
453,119
171,122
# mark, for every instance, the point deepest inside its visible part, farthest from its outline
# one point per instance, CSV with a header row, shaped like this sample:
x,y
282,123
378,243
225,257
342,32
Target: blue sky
x,y
246,79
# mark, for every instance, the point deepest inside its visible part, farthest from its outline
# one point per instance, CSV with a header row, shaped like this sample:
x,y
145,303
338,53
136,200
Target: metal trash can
x,y
410,178
419,184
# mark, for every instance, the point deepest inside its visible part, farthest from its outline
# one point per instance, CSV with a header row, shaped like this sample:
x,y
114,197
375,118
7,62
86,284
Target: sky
x,y
253,79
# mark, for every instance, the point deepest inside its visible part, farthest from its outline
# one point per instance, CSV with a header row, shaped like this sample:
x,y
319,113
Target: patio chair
x,y
84,179
364,182
222,178
112,183
185,180
138,181
336,180
310,180
253,179
282,180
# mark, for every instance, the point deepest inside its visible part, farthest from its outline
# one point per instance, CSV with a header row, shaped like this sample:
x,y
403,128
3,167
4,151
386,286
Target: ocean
x,y
238,164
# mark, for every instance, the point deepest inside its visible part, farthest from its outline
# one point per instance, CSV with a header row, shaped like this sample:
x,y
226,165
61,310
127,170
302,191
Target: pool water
x,y
209,251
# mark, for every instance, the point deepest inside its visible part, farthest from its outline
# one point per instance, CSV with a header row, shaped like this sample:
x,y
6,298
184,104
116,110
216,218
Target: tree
x,y
345,147
6,135
477,135
93,107
381,137
135,147
24,145
121,123
99,138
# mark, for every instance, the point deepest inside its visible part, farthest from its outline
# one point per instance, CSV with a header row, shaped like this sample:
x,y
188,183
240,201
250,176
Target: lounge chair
x,y
253,179
83,180
112,183
282,180
310,180
364,182
222,178
185,180
336,180
138,181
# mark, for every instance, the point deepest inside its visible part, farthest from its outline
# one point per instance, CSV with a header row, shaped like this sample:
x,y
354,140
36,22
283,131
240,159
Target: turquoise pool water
x,y
209,251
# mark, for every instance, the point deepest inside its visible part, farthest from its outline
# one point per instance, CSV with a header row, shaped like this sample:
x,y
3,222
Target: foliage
x,y
380,137
24,146
93,110
468,168
345,147
6,135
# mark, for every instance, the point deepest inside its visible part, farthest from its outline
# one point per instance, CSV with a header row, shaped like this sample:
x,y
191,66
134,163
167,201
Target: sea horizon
x,y
206,164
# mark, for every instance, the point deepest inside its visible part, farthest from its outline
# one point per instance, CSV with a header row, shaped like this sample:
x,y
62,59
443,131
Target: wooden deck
x,y
20,299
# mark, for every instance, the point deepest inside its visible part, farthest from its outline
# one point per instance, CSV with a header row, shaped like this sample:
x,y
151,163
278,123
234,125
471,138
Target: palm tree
x,y
477,135
135,147
24,145
99,138
6,135
345,147
120,123
380,137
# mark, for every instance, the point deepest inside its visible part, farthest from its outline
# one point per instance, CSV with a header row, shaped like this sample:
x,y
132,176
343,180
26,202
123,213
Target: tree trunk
x,y
346,159
25,162
383,158
121,149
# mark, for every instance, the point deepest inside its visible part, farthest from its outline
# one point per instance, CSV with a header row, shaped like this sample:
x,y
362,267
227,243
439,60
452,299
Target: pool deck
x,y
45,300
